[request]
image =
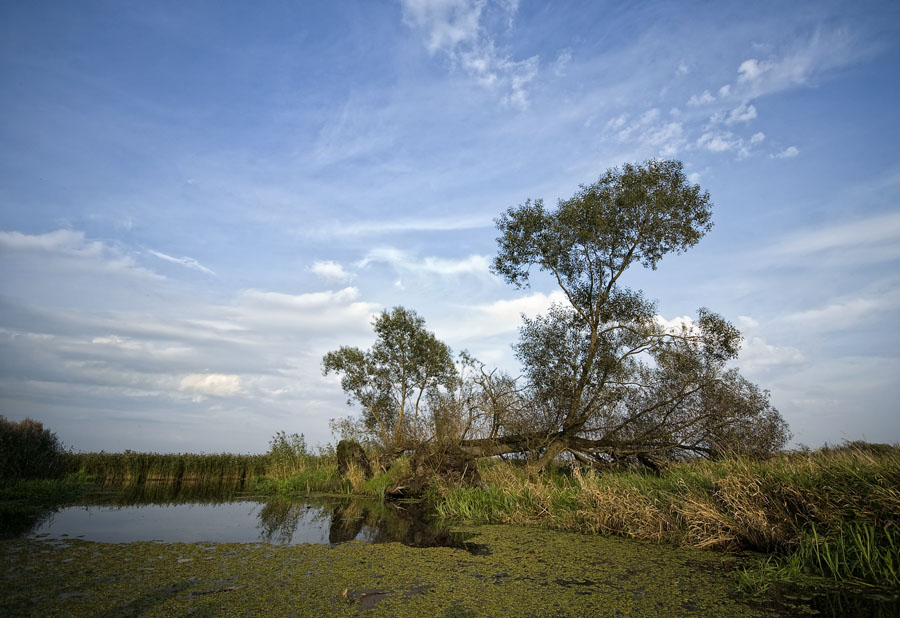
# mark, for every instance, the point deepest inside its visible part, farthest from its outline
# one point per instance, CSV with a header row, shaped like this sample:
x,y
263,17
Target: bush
x,y
288,455
29,451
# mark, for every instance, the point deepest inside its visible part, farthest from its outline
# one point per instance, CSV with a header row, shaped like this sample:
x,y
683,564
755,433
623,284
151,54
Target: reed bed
x,y
132,468
835,512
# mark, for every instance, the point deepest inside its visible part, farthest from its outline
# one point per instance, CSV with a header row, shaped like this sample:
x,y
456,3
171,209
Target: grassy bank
x,y
833,513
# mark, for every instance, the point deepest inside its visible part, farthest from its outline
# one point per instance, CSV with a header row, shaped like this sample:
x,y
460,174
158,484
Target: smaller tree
x,y
395,379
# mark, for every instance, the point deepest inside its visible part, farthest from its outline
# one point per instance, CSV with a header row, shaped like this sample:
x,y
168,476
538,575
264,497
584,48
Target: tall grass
x,y
835,512
132,468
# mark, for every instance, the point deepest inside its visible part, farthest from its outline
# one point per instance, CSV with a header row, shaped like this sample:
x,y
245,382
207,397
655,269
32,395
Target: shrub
x,y
29,451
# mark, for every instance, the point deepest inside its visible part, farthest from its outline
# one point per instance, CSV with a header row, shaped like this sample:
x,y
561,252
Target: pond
x,y
189,516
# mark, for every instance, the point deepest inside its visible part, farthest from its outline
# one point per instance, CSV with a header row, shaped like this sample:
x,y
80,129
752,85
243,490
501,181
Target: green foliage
x,y
855,552
391,381
317,477
133,468
605,380
833,513
379,484
636,214
29,451
288,455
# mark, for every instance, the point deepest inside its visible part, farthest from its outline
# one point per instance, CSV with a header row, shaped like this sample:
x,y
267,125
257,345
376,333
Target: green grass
x,y
130,468
832,513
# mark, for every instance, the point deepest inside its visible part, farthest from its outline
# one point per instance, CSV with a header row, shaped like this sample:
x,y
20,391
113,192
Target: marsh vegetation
x,y
620,426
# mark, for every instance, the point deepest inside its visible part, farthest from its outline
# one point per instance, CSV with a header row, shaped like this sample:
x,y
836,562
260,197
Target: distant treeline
x,y
29,451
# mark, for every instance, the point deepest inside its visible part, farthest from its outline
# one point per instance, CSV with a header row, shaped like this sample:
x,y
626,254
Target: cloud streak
x,y
187,262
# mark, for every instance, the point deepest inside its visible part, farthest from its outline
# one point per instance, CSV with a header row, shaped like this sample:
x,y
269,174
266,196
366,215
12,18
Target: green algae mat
x,y
527,572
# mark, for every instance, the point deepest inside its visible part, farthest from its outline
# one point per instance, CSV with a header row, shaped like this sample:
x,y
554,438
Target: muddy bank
x,y
528,572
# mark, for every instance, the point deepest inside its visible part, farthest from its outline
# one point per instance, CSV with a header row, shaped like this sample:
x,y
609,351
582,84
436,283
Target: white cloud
x,y
211,384
757,355
822,52
649,130
69,242
476,325
752,69
844,313
682,69
718,142
187,262
614,124
724,91
125,343
447,23
703,98
758,138
562,61
391,226
70,250
404,261
745,321
742,113
788,153
507,314
868,240
331,271
454,28
301,301
677,324
650,116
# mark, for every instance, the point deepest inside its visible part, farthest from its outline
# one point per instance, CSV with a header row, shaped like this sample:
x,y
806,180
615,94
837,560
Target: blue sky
x,y
198,200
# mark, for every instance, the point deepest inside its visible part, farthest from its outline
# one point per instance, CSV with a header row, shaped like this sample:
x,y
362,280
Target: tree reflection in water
x,y
368,521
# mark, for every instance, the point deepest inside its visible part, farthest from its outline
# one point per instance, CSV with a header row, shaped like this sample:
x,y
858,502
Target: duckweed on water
x,y
529,572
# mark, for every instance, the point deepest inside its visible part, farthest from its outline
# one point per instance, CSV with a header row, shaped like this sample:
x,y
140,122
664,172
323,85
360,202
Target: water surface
x,y
186,517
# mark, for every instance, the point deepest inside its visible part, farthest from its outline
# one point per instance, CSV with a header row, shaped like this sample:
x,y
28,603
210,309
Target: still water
x,y
235,522
188,517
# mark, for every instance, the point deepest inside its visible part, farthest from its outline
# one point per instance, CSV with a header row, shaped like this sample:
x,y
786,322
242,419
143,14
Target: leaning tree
x,y
606,380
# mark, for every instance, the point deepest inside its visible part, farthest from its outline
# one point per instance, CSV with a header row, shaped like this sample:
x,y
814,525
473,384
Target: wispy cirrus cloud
x,y
404,261
870,239
457,29
361,228
187,262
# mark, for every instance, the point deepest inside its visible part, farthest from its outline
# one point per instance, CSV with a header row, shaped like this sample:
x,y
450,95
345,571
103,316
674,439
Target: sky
x,y
200,199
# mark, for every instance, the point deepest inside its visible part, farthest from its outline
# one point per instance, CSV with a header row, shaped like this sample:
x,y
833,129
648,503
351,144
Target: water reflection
x,y
835,603
198,513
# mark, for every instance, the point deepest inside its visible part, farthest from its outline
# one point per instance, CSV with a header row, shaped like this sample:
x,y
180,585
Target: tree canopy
x,y
604,379
393,379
